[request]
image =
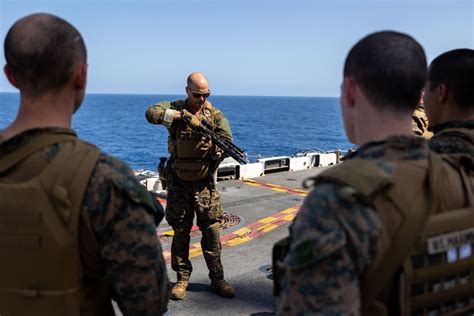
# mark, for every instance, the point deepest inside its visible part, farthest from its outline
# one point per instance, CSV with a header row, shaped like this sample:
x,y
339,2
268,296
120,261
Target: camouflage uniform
x,y
334,239
420,123
185,198
458,141
120,213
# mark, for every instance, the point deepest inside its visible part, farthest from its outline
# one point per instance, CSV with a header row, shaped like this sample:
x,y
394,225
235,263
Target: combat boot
x,y
179,290
223,288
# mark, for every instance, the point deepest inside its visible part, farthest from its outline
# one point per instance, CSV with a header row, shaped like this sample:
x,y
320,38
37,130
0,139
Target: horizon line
x,y
181,94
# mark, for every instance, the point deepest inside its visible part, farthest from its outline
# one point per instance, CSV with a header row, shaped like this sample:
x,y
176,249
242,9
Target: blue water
x,y
265,126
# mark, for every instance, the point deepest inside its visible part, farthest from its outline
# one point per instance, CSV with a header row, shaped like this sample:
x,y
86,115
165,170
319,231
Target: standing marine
x,y
76,227
191,185
449,101
385,232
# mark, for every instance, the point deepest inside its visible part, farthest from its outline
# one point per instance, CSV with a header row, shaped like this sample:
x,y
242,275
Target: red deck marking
x,y
253,225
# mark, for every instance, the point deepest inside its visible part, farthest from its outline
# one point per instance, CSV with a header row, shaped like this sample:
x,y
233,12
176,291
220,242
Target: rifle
x,y
228,147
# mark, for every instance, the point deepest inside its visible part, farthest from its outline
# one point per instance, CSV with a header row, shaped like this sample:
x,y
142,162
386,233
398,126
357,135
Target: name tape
x,y
442,243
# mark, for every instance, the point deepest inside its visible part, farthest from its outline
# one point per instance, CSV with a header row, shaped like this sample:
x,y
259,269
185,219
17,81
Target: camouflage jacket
x,y
456,137
120,213
334,239
156,113
419,122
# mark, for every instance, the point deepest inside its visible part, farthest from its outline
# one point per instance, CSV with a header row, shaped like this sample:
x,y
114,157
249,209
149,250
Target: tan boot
x,y
179,290
223,288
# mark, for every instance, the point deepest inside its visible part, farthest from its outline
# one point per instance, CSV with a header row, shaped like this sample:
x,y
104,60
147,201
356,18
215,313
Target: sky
x,y
247,47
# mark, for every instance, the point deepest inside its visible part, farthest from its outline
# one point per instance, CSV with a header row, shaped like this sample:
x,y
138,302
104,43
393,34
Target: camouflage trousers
x,y
186,198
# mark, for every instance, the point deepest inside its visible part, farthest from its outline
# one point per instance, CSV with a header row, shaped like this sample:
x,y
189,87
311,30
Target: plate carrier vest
x,y
417,236
40,267
188,161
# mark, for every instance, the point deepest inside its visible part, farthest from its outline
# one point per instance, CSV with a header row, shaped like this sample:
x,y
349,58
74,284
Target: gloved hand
x,y
218,153
205,144
190,119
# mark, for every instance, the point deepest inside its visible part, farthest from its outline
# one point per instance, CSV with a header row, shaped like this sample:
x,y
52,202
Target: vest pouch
x,y
191,170
189,148
40,303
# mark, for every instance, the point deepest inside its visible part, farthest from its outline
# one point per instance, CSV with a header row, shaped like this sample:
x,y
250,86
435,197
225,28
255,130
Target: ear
x,y
442,93
9,74
80,78
348,91
422,98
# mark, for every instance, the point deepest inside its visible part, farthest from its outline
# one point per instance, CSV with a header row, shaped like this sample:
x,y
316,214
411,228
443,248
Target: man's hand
x,y
205,144
191,119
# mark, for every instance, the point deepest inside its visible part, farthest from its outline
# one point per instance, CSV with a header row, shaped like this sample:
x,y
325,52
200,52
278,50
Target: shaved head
x,y
455,69
390,67
41,51
197,81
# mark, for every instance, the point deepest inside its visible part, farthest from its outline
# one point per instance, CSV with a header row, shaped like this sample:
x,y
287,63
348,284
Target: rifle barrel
x,y
222,142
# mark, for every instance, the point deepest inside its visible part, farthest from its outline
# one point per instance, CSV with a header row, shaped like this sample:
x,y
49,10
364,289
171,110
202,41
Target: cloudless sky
x,y
248,47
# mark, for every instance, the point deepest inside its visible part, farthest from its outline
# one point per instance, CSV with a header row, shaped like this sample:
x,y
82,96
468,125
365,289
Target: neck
x,y
453,113
382,124
195,109
47,110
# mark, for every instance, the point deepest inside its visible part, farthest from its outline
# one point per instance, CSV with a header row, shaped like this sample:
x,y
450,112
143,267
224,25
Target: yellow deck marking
x,y
301,191
289,217
253,184
242,231
195,252
248,181
240,235
267,220
271,185
238,241
274,187
269,227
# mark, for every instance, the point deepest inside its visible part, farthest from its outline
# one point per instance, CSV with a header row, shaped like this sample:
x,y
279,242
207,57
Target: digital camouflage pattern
x,y
420,123
119,211
456,137
334,238
186,198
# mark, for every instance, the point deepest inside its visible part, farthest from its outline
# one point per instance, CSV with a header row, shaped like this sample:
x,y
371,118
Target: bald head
x,y
197,81
41,51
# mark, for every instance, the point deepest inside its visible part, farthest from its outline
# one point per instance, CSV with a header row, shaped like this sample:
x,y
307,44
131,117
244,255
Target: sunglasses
x,y
197,95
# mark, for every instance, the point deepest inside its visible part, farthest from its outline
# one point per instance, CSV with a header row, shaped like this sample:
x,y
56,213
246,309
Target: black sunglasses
x,y
199,94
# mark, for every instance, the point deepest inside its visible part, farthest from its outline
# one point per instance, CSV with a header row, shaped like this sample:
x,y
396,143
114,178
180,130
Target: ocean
x,y
262,126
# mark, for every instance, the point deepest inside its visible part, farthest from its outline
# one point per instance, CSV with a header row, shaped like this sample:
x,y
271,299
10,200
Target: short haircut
x,y
455,69
390,68
41,51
